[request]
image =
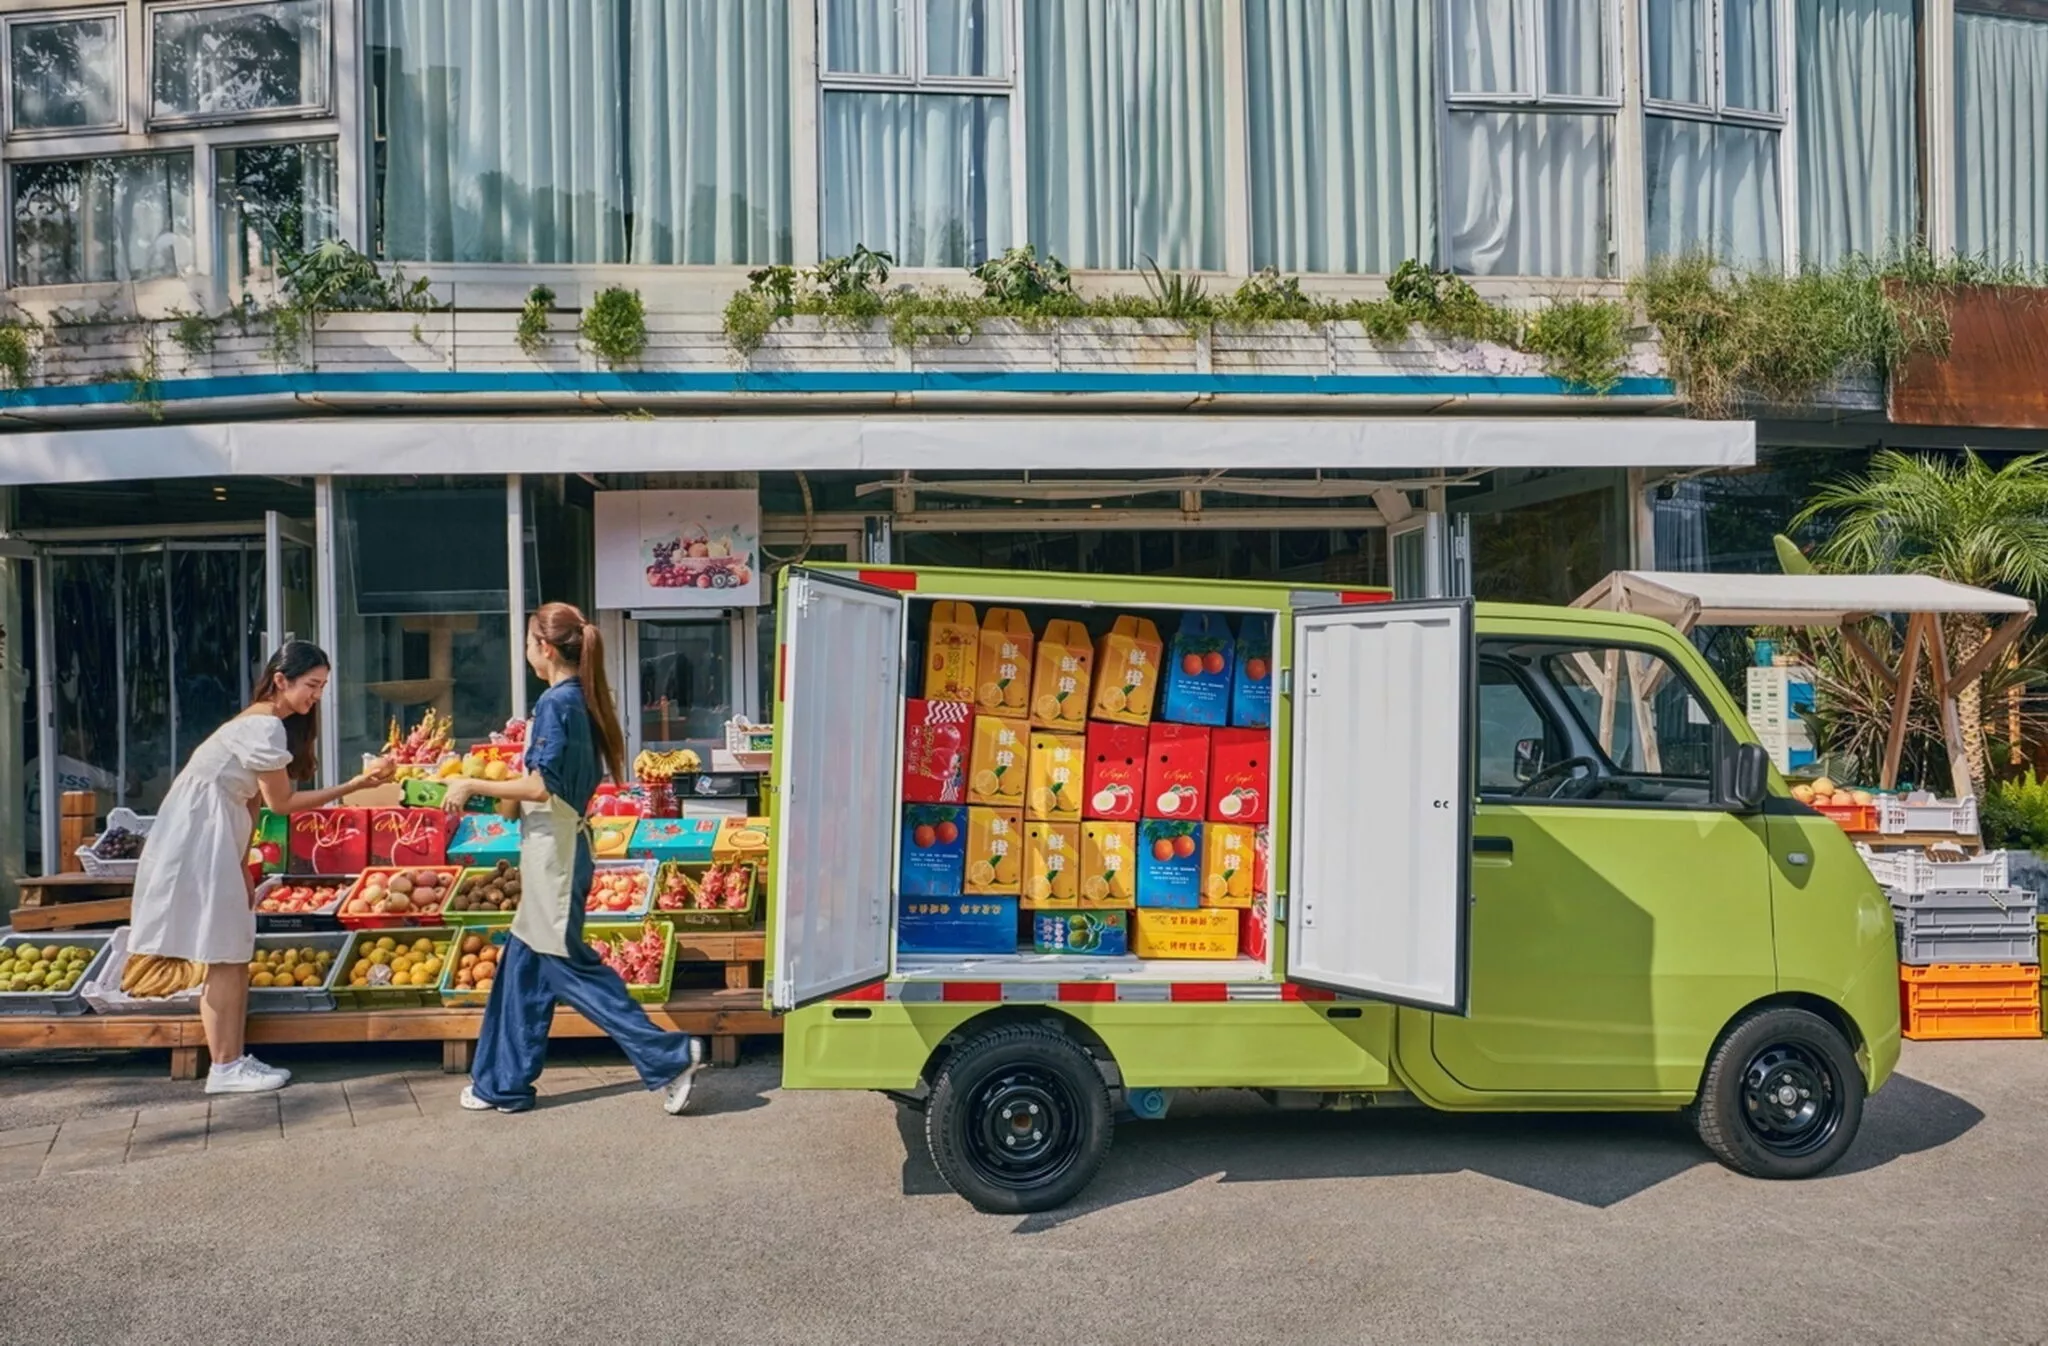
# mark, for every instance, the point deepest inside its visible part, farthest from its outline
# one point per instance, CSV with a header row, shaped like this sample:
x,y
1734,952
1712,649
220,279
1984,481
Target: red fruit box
x,y
608,879
410,838
1177,772
373,887
329,841
1116,772
935,751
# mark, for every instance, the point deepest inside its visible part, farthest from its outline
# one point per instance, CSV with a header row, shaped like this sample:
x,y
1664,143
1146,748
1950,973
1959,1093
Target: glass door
x,y
290,602
681,681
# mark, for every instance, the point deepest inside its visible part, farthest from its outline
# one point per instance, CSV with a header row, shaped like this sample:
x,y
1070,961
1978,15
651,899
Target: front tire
x,y
1782,1096
1019,1120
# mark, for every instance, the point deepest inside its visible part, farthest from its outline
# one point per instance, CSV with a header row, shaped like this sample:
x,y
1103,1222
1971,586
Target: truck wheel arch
x,y
1001,1016
1802,1000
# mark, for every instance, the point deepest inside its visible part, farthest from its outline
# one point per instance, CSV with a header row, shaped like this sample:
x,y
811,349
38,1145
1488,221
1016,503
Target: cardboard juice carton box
x,y
1207,933
1060,677
1053,783
1227,865
1000,762
1169,864
952,651
1240,772
1176,771
1109,864
1199,667
1251,681
933,862
1103,934
1116,772
935,750
1004,665
1052,864
995,851
1127,671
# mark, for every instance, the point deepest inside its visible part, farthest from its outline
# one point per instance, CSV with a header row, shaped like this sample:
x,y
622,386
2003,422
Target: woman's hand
x,y
378,771
459,791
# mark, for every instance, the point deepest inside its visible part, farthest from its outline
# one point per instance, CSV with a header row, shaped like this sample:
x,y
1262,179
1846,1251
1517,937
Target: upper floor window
x,y
1532,99
1714,106
66,73
595,131
223,61
1855,88
124,218
272,198
915,130
2001,146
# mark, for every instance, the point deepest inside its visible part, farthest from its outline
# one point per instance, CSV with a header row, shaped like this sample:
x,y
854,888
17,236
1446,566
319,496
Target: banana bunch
x,y
150,977
652,766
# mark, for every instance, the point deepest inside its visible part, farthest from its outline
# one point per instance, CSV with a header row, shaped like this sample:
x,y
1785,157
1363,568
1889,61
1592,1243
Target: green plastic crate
x,y
348,996
656,994
451,994
478,917
719,918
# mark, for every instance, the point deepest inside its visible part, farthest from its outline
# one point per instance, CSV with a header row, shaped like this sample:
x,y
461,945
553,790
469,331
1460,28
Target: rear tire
x,y
1019,1120
1782,1096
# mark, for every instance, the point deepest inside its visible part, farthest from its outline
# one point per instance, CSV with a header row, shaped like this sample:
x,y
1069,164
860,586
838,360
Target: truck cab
x,y
1522,859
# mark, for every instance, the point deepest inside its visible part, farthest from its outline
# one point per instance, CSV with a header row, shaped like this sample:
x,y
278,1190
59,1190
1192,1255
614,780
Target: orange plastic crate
x,y
1850,817
1970,1000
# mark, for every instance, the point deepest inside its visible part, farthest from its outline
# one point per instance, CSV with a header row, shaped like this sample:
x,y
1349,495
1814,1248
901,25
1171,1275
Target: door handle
x,y
1493,845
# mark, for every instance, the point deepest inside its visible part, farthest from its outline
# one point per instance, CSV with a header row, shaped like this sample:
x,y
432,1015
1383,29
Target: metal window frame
x,y
202,224
177,120
1530,95
914,78
214,152
122,94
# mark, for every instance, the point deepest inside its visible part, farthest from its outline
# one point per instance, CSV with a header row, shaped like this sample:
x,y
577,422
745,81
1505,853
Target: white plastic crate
x,y
102,990
1911,873
1897,814
89,856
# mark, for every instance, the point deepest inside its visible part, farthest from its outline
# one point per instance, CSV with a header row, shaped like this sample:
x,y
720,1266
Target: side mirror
x,y
1742,774
1528,759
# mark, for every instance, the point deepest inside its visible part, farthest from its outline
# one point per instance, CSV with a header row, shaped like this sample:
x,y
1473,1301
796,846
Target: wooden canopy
x,y
1687,601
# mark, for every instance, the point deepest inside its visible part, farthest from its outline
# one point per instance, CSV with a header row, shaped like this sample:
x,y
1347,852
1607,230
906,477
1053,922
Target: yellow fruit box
x,y
1059,682
995,852
1005,665
1127,664
1107,865
997,765
1205,932
1052,863
741,839
1226,865
609,837
951,655
1053,782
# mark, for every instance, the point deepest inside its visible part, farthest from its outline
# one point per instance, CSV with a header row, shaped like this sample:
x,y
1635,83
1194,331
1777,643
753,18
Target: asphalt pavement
x,y
771,1217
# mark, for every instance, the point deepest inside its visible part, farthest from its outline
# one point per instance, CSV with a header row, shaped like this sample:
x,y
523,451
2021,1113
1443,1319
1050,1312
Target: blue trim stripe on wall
x,y
315,382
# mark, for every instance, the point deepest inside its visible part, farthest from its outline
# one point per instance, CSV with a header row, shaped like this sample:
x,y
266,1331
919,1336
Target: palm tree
x,y
1956,518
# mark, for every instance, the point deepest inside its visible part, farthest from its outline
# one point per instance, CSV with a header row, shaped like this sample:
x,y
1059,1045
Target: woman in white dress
x,y
193,898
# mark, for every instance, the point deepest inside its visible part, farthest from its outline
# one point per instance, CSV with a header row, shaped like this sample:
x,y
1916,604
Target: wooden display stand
x,y
72,902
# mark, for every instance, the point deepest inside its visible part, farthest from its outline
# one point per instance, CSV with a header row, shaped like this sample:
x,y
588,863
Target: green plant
x,y
1181,298
1438,301
533,319
1021,279
17,351
614,325
1268,296
145,384
193,332
1583,342
2014,813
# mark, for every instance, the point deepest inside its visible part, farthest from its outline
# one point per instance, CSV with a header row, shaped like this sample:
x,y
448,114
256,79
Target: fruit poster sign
x,y
678,549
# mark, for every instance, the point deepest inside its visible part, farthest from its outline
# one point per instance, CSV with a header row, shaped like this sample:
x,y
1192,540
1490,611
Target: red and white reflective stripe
x,y
1085,992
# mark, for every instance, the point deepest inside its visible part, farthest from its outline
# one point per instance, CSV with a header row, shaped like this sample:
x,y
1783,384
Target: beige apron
x,y
547,874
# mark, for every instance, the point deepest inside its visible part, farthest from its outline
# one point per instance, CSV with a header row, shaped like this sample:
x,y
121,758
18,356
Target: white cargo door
x,y
1381,801
835,824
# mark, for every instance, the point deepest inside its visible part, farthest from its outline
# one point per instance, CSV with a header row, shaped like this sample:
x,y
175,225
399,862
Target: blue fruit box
x,y
1199,669
1251,680
1173,880
685,840
482,839
1085,934
956,925
934,857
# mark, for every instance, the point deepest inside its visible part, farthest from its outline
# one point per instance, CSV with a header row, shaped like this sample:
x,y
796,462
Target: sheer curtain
x,y
709,113
1675,51
1751,54
504,130
1713,188
2002,138
1343,133
1486,46
1858,164
925,177
1124,131
1527,194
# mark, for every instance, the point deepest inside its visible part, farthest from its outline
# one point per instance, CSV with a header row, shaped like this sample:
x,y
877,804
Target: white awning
x,y
372,446
1687,600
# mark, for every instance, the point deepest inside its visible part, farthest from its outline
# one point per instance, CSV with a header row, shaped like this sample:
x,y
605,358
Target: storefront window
x,y
1548,550
81,220
236,60
422,610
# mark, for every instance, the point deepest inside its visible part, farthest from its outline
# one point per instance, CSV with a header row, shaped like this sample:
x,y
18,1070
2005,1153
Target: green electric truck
x,y
1516,858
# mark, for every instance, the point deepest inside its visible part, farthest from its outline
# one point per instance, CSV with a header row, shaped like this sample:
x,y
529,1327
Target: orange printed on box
x,y
1052,860
1127,671
1060,680
997,768
1108,864
1053,785
1227,865
995,851
1004,666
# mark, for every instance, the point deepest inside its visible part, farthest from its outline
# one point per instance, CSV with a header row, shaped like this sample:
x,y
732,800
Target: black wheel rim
x,y
1791,1100
1023,1128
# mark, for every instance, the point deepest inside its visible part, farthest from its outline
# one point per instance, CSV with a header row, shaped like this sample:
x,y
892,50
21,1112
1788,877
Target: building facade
x,y
192,469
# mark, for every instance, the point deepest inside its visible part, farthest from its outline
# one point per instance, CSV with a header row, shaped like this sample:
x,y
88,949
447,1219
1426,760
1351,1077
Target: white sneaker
x,y
470,1101
675,1095
283,1075
241,1077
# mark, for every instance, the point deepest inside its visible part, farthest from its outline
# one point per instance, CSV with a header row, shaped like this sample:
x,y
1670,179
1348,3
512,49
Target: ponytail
x,y
597,700
579,642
